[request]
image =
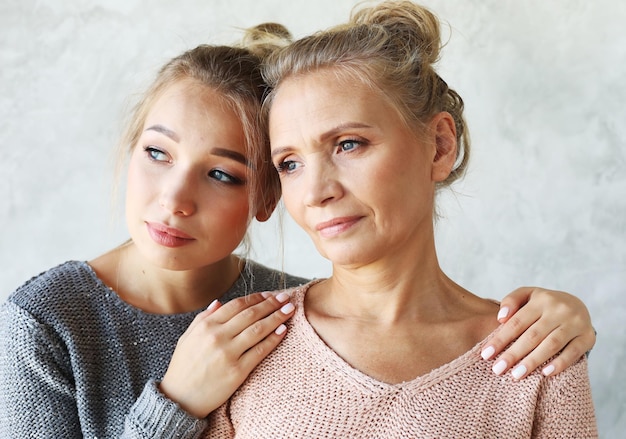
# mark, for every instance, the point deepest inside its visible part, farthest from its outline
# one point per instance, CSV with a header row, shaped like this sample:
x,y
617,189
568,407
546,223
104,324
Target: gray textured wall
x,y
544,202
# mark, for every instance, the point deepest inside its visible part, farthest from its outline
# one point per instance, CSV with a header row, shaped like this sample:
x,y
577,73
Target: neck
x,y
162,291
408,286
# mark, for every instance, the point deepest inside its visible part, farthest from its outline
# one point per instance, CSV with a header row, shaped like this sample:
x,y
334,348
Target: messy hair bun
x,y
265,38
416,27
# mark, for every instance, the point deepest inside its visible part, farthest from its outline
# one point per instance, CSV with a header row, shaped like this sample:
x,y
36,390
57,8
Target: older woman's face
x,y
353,176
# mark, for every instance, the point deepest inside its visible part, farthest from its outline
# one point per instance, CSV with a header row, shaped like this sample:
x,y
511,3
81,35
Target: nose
x,y
322,184
177,194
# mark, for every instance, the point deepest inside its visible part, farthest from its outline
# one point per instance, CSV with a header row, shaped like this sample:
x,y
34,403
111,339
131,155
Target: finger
x,y
253,315
509,332
512,302
262,328
234,307
213,306
571,354
533,335
257,353
218,313
527,355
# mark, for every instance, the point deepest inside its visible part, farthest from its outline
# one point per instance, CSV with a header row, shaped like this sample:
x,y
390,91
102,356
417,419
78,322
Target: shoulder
x,y
257,277
62,289
565,407
573,382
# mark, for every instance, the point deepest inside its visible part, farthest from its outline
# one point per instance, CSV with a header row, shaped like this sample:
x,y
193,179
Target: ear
x,y
268,204
444,131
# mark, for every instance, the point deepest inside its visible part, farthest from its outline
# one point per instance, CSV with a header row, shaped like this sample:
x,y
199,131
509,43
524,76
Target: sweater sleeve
x,y
565,405
37,396
155,416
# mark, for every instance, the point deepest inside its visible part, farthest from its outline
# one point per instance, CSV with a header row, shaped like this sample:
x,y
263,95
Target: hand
x,y
547,323
221,347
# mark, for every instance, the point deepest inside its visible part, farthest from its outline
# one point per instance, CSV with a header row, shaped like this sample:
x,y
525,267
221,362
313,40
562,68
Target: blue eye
x,y
156,154
348,145
287,166
223,177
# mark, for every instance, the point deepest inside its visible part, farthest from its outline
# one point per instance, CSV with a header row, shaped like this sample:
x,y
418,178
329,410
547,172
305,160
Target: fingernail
x,y
547,371
286,309
212,305
519,371
282,297
499,367
280,329
504,311
488,352
265,294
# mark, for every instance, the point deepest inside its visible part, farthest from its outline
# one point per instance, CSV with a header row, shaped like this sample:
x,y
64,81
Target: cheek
x,y
231,210
136,187
292,199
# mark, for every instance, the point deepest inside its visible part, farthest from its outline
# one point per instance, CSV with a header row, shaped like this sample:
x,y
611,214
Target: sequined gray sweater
x,y
76,361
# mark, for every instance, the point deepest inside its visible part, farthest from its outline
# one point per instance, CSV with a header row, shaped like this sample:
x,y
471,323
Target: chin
x,y
346,259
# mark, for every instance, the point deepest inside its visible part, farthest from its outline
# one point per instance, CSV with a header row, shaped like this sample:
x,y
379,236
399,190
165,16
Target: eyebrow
x,y
333,132
234,155
341,127
221,152
165,131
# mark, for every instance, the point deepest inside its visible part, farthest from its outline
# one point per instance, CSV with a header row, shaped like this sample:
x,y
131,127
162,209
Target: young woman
x,y
83,345
124,344
363,133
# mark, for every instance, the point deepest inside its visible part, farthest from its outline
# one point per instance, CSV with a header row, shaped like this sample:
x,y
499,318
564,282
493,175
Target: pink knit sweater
x,y
304,390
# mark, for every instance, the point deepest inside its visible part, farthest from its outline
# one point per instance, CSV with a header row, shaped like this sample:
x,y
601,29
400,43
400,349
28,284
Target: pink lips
x,y
336,226
168,236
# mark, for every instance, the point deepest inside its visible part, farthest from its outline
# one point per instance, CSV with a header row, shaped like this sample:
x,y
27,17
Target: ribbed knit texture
x,y
76,361
304,390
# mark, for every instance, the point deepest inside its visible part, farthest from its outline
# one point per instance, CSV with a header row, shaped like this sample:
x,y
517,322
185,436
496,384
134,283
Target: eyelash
x,y
152,151
231,179
216,174
283,166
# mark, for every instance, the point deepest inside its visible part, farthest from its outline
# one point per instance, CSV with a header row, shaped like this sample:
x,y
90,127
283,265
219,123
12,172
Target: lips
x,y
336,226
168,236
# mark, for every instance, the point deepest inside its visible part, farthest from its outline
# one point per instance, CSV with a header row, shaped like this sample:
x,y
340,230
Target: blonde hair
x,y
234,73
391,47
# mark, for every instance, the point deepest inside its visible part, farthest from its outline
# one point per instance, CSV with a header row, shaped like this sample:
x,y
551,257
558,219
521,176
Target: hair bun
x,y
413,24
263,39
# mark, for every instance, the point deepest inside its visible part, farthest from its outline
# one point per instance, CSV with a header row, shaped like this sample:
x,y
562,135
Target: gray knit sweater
x,y
76,361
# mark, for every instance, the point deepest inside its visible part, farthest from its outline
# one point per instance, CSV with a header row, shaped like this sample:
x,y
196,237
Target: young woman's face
x,y
187,203
353,176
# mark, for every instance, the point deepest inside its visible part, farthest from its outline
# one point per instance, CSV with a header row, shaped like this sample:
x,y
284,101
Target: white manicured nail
x,y
212,305
280,329
499,367
504,311
488,352
282,297
547,371
286,309
519,371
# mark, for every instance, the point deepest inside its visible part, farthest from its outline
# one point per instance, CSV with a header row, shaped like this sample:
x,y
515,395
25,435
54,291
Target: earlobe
x,y
444,131
268,204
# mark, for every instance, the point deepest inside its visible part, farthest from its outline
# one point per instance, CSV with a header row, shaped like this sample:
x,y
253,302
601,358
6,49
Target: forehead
x,y
195,113
315,102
